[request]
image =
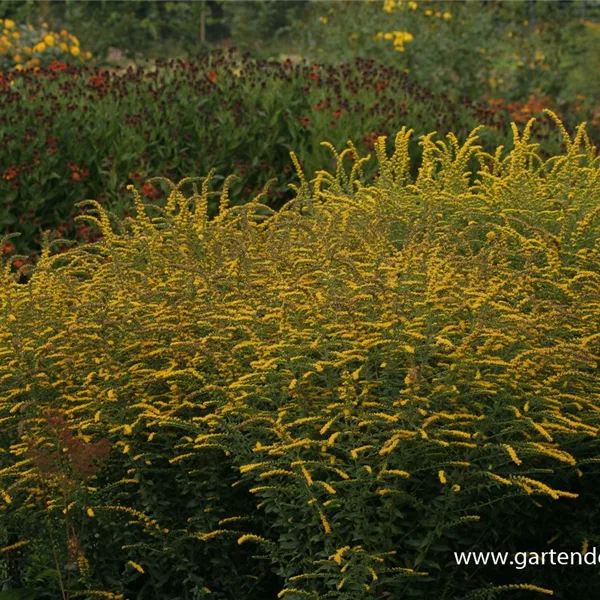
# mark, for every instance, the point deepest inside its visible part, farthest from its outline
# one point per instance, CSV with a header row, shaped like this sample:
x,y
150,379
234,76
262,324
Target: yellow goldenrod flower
x,y
135,566
75,50
325,522
512,454
49,40
525,586
412,5
428,12
15,546
251,538
39,47
447,16
442,477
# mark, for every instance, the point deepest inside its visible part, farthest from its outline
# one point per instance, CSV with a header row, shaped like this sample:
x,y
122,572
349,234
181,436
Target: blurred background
x,y
506,49
176,89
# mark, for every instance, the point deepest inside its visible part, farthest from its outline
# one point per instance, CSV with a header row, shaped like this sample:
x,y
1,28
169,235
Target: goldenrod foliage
x,y
340,385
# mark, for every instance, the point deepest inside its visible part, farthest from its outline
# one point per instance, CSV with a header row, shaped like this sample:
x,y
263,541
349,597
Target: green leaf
x,y
18,594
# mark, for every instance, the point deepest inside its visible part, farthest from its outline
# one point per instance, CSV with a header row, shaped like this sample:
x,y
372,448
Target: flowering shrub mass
x,y
323,402
24,46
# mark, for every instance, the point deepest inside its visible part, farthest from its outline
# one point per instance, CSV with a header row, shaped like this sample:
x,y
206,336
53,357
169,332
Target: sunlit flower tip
x,y
442,477
250,538
135,566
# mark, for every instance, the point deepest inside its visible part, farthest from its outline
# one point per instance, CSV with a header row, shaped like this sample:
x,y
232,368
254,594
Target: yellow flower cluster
x,y
24,47
441,15
399,38
390,5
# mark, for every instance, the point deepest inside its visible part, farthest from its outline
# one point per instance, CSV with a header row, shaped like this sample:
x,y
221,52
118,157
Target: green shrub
x,y
326,401
471,49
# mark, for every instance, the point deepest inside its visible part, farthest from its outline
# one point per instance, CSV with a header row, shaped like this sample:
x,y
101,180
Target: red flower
x,y
57,65
77,173
319,106
381,85
10,173
134,175
212,76
149,190
370,140
96,80
7,248
305,121
337,113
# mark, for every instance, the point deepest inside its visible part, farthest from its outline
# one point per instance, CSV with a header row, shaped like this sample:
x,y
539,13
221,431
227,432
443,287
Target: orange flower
x,y
77,173
149,190
212,76
57,65
96,80
10,173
